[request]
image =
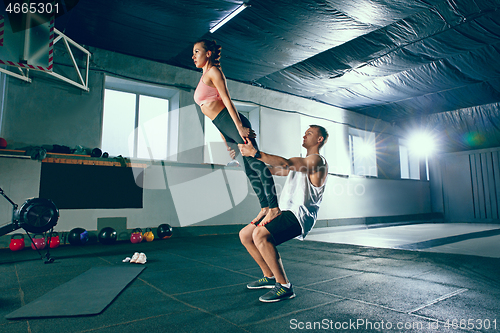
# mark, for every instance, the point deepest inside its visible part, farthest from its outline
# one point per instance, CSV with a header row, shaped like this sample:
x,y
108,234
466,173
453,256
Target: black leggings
x,y
257,172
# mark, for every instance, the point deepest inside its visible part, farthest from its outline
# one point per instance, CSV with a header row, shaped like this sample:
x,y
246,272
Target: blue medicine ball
x,y
78,236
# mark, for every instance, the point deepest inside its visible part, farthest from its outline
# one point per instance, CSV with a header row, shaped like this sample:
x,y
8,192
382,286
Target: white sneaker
x,y
142,259
134,257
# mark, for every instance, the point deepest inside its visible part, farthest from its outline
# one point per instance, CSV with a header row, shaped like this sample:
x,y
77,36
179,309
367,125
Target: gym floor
x,y
351,283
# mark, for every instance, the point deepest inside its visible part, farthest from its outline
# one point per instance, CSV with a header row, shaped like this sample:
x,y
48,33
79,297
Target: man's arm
x,y
281,166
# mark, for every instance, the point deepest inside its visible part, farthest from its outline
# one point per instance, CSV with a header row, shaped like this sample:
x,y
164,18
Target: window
x,y
362,153
215,148
409,163
404,163
136,119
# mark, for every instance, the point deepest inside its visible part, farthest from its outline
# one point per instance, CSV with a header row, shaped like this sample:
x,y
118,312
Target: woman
x,y
212,96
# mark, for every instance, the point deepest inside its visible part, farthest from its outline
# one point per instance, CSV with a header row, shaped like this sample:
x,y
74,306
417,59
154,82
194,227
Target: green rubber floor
x,y
198,284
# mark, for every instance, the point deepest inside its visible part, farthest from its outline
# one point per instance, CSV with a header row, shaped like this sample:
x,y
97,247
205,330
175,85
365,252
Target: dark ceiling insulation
x,y
433,62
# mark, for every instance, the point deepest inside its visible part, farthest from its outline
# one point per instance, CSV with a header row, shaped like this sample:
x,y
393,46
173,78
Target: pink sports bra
x,y
204,93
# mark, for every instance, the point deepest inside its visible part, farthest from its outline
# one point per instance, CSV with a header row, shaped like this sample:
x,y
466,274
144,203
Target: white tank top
x,y
302,198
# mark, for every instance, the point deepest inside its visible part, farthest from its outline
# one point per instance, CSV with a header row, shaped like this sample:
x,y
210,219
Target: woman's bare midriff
x,y
212,109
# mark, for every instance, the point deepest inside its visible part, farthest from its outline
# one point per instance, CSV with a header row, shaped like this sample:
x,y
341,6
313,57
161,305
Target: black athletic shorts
x,y
284,227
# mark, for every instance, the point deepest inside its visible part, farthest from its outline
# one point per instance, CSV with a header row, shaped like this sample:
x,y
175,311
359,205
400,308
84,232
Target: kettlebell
x,y
54,240
16,242
148,235
136,236
38,242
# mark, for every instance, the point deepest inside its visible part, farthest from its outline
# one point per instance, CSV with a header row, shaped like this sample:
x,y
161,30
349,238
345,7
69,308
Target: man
x,y
299,202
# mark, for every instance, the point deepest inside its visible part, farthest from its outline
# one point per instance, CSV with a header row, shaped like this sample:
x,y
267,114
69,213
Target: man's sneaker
x,y
278,293
262,283
142,259
135,257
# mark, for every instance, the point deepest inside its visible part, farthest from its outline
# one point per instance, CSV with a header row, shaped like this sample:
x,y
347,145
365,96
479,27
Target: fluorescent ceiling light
x,y
229,17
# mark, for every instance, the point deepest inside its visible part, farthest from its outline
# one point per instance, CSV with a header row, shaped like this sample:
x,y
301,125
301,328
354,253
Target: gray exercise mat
x,y
87,294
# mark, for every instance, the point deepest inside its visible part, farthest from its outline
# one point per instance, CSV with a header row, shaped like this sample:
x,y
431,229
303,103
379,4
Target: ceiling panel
x,y
394,60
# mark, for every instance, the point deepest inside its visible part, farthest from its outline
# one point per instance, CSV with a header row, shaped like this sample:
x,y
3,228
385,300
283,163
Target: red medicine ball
x,y
3,143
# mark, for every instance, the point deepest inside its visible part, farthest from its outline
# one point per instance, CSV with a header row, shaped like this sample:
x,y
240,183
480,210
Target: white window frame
x,y
409,163
146,89
362,166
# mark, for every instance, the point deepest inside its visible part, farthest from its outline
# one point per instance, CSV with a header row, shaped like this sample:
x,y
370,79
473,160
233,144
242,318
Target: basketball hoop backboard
x,y
30,47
